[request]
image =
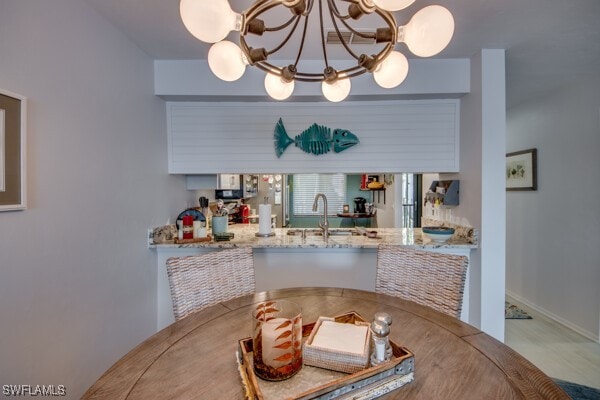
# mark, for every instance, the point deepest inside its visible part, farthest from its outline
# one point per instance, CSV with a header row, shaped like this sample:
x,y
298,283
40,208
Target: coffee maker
x,y
360,205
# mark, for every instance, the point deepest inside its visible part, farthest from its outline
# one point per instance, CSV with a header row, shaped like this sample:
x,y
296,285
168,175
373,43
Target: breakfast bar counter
x,y
245,235
294,258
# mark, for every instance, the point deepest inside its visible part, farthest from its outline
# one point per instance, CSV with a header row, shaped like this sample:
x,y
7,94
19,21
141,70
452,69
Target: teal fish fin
x,y
282,140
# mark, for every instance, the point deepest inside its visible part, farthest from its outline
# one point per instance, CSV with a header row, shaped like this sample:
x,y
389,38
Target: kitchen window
x,y
307,186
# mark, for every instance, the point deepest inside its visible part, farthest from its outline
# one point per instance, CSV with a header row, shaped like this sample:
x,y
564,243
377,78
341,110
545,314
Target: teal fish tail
x,y
282,140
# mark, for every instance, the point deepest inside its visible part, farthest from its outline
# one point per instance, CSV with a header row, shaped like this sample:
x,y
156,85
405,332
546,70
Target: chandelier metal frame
x,y
301,12
427,33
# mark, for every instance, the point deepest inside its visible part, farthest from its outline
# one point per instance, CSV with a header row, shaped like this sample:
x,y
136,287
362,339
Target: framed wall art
x,y
521,170
13,183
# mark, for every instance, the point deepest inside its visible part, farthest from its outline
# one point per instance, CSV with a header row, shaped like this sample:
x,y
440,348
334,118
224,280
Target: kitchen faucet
x,y
323,222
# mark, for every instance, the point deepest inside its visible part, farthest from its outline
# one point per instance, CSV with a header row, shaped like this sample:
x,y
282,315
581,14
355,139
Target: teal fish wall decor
x,y
317,139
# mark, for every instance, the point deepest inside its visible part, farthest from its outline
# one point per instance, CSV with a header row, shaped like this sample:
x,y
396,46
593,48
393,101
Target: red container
x,y
187,226
245,212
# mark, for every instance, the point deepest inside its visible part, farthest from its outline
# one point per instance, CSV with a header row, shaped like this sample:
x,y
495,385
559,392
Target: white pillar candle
x,y
196,225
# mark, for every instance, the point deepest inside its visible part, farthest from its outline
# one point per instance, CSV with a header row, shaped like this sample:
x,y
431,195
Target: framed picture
x,y
521,170
13,184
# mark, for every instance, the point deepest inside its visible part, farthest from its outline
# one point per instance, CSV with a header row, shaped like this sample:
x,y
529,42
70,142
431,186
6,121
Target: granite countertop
x,y
245,235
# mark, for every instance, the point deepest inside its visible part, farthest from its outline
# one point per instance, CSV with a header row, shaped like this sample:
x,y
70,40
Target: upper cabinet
x,y
416,136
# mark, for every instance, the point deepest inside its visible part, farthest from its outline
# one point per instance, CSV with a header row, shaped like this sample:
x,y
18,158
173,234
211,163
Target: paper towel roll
x,y
264,219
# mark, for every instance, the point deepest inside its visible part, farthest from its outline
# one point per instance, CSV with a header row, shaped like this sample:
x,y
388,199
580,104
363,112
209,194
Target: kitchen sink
x,y
305,232
313,232
343,232
319,232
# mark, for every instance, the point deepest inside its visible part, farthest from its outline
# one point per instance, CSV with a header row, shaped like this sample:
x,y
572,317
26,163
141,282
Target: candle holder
x,y
277,339
219,224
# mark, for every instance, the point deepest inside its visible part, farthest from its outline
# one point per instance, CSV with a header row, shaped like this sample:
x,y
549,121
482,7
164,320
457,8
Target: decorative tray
x,y
208,238
224,236
319,383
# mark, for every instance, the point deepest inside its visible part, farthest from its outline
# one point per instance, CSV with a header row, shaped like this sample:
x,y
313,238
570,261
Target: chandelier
x,y
426,34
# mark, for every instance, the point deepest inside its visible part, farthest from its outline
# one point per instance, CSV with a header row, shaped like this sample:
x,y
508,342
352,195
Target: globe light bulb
x,y
428,32
227,61
392,71
277,88
209,20
393,5
337,90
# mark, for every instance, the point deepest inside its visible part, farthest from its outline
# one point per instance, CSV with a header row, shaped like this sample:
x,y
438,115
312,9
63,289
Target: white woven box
x,y
334,359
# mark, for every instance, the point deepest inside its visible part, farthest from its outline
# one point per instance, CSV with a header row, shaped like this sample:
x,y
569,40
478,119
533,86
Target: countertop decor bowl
x,y
438,234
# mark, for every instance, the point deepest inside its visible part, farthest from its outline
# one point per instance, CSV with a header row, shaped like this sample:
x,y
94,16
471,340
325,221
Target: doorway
x,y
411,200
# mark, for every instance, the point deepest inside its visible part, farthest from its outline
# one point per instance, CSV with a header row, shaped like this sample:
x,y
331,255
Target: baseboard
x,y
584,332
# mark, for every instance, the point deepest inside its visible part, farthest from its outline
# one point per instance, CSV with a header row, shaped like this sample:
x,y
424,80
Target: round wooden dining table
x,y
195,358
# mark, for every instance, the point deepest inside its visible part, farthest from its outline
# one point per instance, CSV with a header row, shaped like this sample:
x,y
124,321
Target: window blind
x,y
307,186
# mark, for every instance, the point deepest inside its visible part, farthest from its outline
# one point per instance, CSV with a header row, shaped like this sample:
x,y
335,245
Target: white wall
x,y
482,196
553,235
77,282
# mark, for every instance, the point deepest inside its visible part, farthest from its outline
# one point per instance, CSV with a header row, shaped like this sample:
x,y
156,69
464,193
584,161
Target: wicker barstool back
x,y
431,279
203,280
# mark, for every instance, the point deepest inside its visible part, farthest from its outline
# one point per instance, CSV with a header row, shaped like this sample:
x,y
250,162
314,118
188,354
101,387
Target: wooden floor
x,y
555,349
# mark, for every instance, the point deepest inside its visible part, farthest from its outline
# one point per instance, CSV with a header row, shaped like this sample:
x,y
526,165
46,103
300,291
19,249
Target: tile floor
x,y
555,349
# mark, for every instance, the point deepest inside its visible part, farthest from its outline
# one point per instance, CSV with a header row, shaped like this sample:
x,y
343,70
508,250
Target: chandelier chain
x,y
323,35
282,26
336,12
302,41
332,5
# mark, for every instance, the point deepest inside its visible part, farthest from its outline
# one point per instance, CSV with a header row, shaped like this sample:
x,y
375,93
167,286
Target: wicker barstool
x,y
204,280
431,279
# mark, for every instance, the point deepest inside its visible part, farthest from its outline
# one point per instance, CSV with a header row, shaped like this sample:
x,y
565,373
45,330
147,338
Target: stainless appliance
x,y
275,190
250,185
360,205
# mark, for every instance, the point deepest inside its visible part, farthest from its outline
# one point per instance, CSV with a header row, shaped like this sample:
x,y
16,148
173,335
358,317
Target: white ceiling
x,y
547,42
